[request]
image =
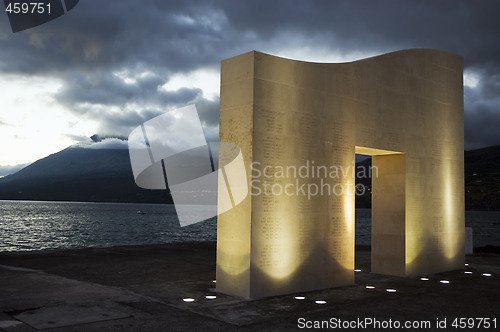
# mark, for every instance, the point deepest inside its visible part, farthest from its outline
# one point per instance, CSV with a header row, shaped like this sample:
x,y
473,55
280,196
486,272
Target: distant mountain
x,y
80,174
105,175
482,179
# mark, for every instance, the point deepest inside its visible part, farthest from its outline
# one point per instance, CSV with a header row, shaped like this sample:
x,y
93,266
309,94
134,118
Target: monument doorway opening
x,y
363,201
387,189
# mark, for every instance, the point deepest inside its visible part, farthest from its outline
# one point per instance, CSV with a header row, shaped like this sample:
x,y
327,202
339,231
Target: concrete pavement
x,y
141,288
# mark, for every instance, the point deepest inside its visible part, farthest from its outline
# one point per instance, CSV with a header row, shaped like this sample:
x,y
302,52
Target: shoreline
x,y
97,248
491,249
158,203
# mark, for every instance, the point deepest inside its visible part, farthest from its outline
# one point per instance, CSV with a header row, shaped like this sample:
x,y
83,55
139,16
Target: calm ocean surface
x,y
27,225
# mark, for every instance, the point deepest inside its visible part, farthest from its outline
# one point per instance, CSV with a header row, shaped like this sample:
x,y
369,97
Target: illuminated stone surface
x,y
403,108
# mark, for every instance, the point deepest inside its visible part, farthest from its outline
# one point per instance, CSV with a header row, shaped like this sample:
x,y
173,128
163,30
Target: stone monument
x,y
296,231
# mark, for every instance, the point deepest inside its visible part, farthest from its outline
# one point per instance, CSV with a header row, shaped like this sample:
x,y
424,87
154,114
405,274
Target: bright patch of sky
x,y
471,79
208,80
321,54
32,123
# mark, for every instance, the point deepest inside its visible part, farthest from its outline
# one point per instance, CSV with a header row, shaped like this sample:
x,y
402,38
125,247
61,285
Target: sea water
x,y
30,225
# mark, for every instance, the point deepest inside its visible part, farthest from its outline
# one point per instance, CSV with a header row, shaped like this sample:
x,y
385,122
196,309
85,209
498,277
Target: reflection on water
x,y
43,225
26,225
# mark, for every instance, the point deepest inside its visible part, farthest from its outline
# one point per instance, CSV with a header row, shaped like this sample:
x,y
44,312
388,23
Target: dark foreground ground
x,y
141,288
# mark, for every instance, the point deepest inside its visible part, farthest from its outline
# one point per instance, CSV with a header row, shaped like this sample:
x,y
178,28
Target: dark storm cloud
x,y
183,35
106,88
91,45
116,34
482,125
208,111
482,110
467,28
120,106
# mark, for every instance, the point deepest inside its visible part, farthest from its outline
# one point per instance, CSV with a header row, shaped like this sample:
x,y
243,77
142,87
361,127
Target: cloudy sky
x,y
107,66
